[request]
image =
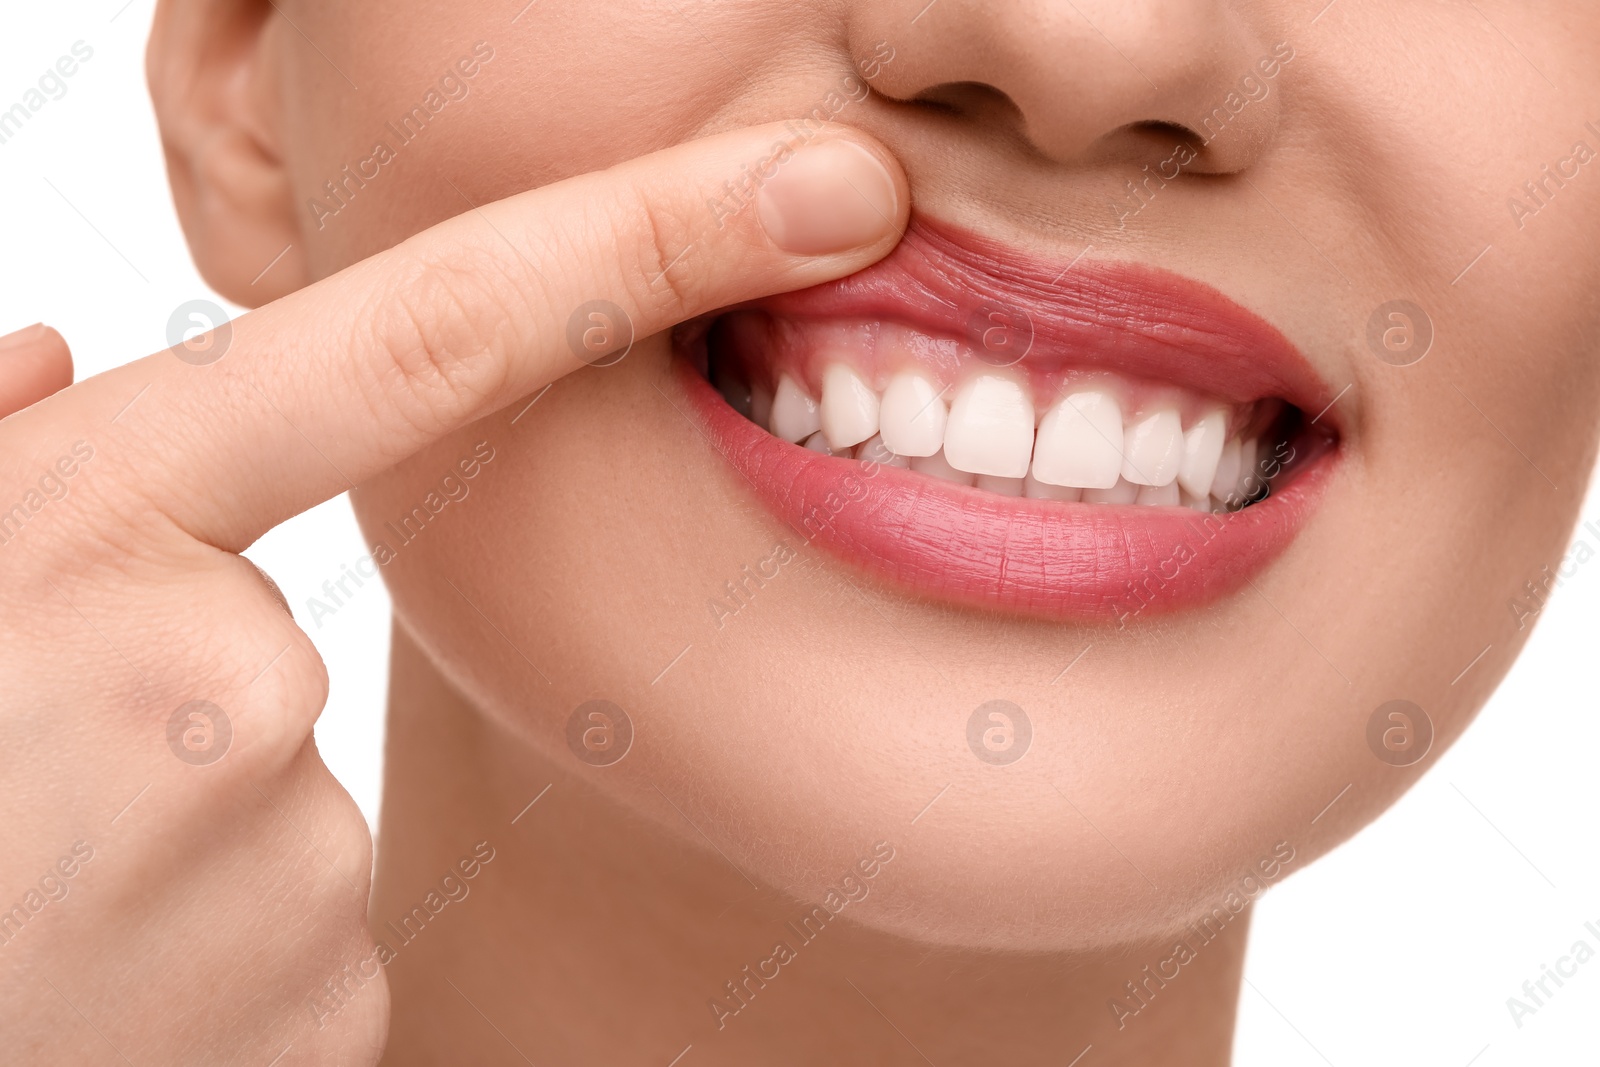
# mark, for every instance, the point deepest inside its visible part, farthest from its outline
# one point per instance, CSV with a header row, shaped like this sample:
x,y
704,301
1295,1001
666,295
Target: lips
x,y
1082,441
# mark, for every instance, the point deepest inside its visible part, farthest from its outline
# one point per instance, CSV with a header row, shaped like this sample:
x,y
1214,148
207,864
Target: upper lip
x,y
1128,318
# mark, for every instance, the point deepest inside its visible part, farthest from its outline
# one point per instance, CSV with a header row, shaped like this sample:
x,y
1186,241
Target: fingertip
x,y
35,362
837,195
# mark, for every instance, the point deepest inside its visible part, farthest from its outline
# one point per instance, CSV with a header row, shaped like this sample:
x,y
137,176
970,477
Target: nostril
x,y
968,99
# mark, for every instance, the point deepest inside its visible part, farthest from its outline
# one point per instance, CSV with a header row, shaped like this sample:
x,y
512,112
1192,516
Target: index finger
x,y
324,388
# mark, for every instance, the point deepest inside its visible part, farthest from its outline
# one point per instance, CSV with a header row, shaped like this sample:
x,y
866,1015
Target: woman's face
x,y
1153,193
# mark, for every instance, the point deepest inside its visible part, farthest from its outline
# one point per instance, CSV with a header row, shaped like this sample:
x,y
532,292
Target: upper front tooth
x,y
794,414
912,416
991,428
1249,480
761,405
849,407
1152,448
1226,481
1202,448
1080,442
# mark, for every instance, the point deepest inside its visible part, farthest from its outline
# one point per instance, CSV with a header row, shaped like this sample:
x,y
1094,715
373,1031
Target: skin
x,y
828,714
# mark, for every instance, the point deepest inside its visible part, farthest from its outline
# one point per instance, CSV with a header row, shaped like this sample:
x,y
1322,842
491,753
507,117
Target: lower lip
x,y
1064,561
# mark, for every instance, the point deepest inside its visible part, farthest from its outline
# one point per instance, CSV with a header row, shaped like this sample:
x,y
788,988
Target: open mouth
x,y
1099,442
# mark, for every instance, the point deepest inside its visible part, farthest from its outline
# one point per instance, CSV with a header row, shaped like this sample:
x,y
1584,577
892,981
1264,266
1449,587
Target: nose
x,y
1084,81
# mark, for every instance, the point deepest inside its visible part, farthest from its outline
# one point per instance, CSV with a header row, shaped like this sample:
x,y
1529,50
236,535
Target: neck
x,y
593,937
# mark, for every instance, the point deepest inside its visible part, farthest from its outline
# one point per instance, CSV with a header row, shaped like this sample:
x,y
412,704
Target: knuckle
x,y
446,325
663,247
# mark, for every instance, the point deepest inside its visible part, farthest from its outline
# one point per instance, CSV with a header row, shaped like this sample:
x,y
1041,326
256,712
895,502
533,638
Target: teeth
x,y
1249,481
818,442
991,428
849,407
1124,492
935,466
1080,442
1227,478
1003,486
1034,489
875,451
988,437
761,406
1202,448
1160,496
1152,448
912,416
795,416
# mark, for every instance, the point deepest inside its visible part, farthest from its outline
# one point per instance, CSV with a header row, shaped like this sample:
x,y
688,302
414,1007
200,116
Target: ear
x,y
215,103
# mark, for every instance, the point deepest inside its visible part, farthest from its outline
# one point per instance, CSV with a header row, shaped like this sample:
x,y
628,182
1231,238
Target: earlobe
x,y
211,79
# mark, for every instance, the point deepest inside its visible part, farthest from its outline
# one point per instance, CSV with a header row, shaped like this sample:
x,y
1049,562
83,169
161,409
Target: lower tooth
x,y
935,466
1158,496
1198,503
1124,492
1003,486
818,442
1034,489
873,450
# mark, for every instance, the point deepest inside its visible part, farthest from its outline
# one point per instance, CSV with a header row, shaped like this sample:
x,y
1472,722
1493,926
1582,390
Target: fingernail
x,y
26,335
828,197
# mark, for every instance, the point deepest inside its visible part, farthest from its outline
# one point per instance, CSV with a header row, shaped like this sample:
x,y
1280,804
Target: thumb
x,y
370,365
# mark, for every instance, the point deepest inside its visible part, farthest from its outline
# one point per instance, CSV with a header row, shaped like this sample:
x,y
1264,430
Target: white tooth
x,y
1124,492
1198,503
873,450
1227,479
795,416
1158,496
935,466
1034,489
1080,442
1152,448
1202,448
912,415
761,406
1249,478
1003,486
991,428
818,442
849,407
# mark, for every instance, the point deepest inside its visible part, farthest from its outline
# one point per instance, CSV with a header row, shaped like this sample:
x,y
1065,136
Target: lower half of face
x,y
1095,595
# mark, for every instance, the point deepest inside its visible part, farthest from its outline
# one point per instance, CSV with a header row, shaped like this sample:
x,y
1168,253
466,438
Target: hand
x,y
181,874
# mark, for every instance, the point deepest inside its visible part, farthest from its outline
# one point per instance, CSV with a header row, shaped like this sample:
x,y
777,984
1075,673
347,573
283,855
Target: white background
x,y
1399,949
